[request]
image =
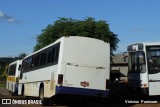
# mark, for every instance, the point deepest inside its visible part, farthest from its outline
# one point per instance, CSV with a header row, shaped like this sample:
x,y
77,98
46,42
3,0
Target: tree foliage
x,y
21,56
3,74
88,27
4,67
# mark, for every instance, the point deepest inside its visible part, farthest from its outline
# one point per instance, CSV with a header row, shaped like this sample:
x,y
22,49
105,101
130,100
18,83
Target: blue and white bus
x,y
71,65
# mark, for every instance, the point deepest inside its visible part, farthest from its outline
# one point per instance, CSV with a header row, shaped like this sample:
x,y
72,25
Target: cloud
x,y
8,18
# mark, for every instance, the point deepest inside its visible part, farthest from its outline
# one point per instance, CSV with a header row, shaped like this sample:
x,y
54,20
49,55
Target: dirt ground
x,y
119,95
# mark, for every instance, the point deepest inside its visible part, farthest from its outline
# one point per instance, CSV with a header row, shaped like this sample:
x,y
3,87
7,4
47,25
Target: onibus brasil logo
x,y
17,101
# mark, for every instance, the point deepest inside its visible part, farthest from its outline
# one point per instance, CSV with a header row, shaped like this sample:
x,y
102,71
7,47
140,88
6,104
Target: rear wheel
x,y
22,91
44,101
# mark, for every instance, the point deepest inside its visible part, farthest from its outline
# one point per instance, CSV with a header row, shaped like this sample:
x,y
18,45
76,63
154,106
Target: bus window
x,y
24,65
43,58
30,62
49,55
153,57
12,70
36,61
57,53
137,62
53,54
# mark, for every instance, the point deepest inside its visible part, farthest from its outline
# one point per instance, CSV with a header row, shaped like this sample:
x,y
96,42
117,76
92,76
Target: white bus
x,y
71,65
144,67
13,76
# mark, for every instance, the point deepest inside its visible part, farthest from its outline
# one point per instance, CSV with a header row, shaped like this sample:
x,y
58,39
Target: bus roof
x,y
15,62
147,43
57,41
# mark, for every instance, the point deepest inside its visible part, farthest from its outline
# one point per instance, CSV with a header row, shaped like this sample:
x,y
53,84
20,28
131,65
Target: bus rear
x,y
85,67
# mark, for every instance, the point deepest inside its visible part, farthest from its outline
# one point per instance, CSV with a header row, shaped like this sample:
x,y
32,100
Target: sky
x,y
22,20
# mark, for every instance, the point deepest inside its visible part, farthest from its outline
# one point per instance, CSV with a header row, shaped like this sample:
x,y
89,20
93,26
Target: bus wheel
x,y
12,93
44,101
22,91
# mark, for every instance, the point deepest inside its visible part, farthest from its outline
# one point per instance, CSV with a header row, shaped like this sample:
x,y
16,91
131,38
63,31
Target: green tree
x,y
3,75
88,27
20,56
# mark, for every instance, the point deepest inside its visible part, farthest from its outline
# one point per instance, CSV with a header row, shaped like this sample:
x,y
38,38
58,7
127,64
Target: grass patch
x,y
2,85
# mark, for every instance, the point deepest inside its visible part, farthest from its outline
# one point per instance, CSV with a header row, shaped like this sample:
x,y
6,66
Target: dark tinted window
x,y
12,70
57,53
153,58
49,55
41,59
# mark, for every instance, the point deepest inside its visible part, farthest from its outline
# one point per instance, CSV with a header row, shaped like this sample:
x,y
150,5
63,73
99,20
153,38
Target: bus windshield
x,y
12,70
137,62
153,58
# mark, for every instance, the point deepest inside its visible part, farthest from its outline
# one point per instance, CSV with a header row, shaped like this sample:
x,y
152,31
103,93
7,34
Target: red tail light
x,y
60,79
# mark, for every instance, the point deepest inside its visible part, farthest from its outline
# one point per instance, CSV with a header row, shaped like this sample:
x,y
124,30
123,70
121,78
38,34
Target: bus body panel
x,y
154,84
32,83
85,77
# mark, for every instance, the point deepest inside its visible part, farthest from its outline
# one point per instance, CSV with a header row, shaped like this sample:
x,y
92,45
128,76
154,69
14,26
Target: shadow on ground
x,y
119,95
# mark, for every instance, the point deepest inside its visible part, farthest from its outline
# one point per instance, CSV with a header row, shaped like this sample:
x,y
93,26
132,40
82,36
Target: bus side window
x,y
57,53
49,54
36,61
43,58
53,54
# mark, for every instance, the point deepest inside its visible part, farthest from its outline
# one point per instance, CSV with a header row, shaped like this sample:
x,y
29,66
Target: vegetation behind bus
x,y
4,66
88,27
4,74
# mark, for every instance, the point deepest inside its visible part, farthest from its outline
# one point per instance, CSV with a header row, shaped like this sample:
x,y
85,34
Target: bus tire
x,y
44,101
22,91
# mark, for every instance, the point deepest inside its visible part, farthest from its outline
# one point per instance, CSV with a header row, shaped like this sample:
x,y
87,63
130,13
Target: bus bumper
x,y
81,91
